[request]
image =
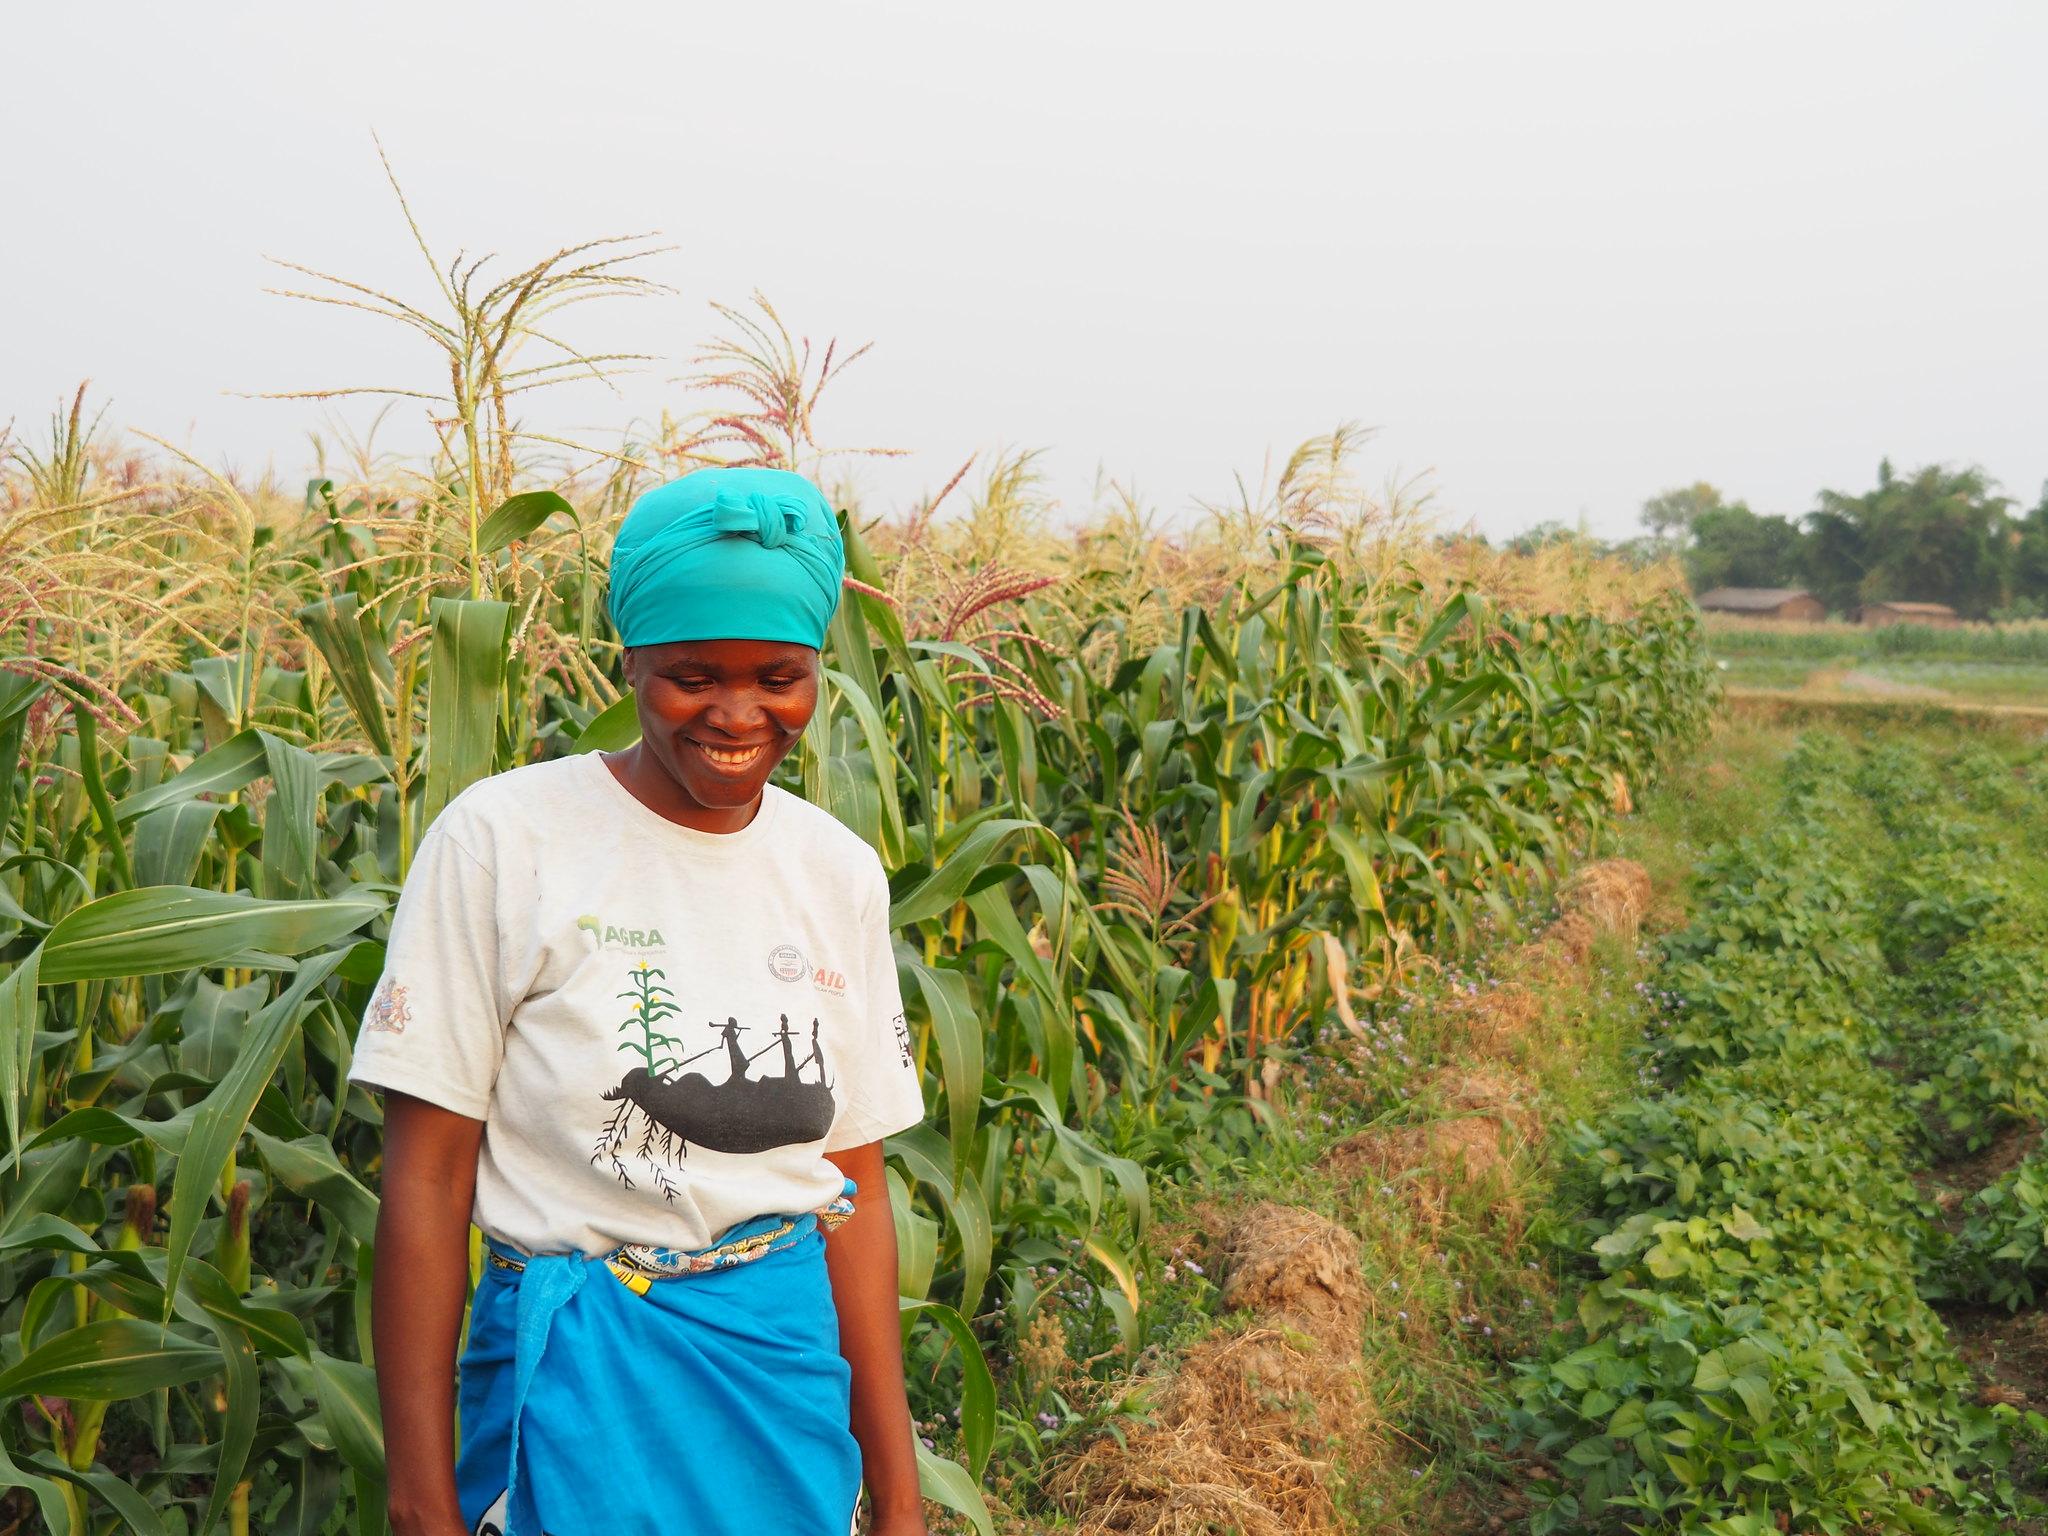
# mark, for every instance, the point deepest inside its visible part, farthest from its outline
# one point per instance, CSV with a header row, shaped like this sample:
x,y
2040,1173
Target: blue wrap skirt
x,y
647,1392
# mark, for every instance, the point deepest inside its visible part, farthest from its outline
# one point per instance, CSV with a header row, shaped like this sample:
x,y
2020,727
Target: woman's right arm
x,y
417,1295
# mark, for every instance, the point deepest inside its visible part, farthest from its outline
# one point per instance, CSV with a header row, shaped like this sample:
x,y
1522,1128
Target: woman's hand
x,y
416,1300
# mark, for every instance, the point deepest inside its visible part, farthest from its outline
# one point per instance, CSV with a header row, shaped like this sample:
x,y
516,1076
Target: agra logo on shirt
x,y
614,936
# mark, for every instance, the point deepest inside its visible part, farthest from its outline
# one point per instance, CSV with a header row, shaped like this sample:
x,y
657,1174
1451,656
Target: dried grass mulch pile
x,y
1245,1429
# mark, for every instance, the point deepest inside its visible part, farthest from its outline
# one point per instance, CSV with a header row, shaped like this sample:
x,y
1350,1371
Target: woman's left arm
x,y
860,1256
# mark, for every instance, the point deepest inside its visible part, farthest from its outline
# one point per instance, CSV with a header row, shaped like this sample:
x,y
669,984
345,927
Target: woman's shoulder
x,y
824,837
521,800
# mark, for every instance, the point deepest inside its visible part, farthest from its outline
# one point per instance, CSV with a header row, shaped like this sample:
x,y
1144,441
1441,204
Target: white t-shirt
x,y
662,1029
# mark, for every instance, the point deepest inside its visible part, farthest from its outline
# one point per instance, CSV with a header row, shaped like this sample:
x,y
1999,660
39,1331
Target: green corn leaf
x,y
170,839
19,1009
205,1298
1081,1154
894,845
917,1241
347,1393
244,1386
308,1166
355,654
968,853
12,911
212,1024
924,1150
978,1389
90,772
959,1036
47,1492
136,1512
1456,609
291,838
17,692
161,928
226,1109
615,728
119,1357
972,1225
42,1230
110,1128
40,1182
517,516
228,767
314,1480
466,675
948,1483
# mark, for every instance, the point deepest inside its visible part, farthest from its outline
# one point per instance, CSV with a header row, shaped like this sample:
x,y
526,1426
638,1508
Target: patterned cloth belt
x,y
548,1282
638,1265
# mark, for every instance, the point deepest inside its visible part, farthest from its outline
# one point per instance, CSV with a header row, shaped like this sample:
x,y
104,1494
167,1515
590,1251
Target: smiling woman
x,y
655,1185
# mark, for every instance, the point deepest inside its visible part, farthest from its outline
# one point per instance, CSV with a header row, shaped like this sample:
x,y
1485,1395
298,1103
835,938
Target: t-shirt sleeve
x,y
879,1088
435,1025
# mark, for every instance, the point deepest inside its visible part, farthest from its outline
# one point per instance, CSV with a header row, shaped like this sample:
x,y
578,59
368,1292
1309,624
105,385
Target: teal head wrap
x,y
727,554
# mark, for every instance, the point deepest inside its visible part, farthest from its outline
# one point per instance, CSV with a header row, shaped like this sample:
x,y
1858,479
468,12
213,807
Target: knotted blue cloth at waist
x,y
602,1394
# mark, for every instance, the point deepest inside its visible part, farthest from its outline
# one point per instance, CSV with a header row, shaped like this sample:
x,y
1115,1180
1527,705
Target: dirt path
x,y
1856,680
1768,699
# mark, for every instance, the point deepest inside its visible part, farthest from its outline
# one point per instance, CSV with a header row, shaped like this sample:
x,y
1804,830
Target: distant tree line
x,y
1938,535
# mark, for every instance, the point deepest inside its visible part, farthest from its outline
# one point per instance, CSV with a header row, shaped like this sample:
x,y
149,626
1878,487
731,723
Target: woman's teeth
x,y
731,757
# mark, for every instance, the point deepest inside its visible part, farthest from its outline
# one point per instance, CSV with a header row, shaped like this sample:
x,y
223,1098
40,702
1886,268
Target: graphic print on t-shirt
x,y
746,1111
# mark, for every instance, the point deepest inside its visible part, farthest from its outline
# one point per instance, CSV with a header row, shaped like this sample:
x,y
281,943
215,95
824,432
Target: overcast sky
x,y
1560,256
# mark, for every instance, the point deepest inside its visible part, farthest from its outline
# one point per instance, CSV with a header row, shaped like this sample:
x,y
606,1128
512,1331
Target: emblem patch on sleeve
x,y
390,1009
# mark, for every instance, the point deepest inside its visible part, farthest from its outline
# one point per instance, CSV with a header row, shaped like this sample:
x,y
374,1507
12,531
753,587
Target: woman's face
x,y
718,715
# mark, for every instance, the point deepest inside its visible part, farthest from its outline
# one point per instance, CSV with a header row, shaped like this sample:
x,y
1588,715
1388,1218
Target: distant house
x,y
1795,604
1940,615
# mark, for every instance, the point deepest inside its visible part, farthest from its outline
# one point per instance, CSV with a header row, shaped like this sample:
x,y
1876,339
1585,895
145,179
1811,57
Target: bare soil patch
x,y
1950,1185
2008,1351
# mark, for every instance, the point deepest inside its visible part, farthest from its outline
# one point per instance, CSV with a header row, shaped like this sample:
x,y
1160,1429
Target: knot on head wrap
x,y
727,554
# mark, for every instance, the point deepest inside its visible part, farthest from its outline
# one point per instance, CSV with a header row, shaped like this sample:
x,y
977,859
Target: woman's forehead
x,y
727,655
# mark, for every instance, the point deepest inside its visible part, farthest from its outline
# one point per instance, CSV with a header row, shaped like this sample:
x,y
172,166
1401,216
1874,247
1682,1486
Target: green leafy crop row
x,y
1754,1348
